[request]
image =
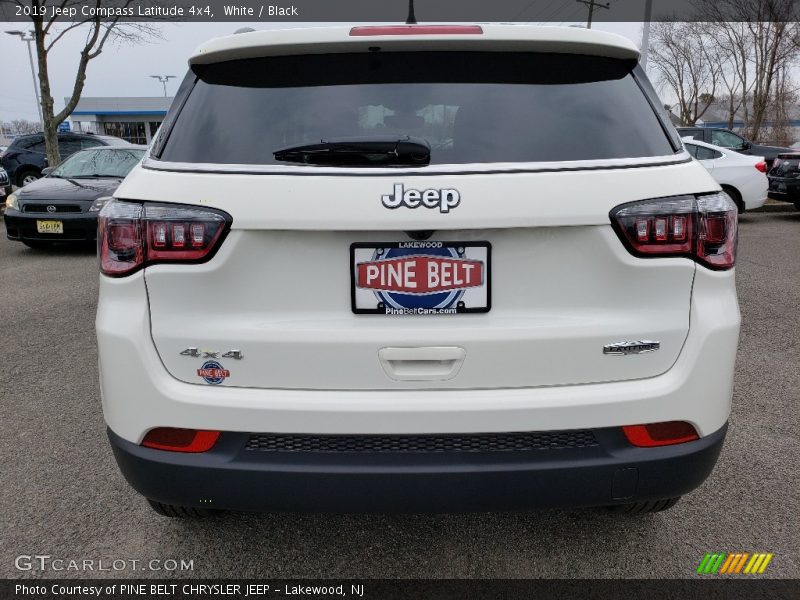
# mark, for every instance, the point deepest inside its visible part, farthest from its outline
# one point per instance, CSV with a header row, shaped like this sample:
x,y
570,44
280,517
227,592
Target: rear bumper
x,y
788,196
232,477
78,227
790,191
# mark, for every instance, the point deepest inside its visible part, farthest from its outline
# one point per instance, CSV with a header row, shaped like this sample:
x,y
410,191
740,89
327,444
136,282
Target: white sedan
x,y
742,177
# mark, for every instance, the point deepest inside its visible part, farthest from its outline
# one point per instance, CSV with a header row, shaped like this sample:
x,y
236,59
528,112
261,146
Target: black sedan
x,y
784,178
63,205
733,141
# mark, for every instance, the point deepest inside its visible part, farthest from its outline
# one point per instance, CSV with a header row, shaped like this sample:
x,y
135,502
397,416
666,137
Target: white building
x,y
133,119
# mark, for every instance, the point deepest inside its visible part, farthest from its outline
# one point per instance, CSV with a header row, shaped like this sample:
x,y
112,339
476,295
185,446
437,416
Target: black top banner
x,y
377,589
397,11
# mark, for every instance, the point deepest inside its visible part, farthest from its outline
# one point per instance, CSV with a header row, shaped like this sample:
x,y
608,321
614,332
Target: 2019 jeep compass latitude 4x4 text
x,y
416,268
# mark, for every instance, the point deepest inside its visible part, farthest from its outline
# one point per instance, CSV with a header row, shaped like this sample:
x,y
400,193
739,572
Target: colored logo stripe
x,y
711,563
738,562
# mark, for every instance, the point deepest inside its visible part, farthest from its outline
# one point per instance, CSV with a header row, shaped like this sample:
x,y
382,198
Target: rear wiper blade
x,y
370,151
97,176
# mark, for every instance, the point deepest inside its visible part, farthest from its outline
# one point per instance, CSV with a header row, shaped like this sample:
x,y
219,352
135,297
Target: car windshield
x,y
115,162
470,107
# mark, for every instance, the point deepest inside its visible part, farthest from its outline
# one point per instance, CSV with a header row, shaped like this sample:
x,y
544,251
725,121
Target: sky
x,y
124,70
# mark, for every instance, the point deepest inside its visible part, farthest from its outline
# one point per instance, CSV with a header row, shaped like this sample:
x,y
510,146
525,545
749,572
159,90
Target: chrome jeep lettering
x,y
444,199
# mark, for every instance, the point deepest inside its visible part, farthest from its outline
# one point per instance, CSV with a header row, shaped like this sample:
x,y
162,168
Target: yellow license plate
x,y
50,226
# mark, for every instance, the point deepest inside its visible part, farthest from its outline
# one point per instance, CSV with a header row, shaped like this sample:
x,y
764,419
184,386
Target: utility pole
x,y
592,4
412,18
28,36
163,79
648,16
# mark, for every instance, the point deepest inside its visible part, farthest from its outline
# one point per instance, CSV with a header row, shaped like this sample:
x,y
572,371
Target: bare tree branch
x,y
99,32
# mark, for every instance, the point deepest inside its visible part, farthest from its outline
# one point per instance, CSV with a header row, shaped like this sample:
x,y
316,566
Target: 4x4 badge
x,y
197,353
443,199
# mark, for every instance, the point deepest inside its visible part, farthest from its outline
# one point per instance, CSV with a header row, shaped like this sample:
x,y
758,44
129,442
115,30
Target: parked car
x,y
26,157
63,205
784,178
5,184
469,268
743,178
726,138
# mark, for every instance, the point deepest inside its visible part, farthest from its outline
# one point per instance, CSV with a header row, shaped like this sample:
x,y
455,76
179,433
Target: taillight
x,y
660,434
371,30
703,228
133,235
180,440
761,166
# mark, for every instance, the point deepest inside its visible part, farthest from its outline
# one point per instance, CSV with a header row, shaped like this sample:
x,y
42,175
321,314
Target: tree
x,y
688,63
758,38
98,30
20,126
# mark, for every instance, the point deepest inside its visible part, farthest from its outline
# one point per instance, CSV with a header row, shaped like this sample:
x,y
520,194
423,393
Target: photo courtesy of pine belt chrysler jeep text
x,y
416,268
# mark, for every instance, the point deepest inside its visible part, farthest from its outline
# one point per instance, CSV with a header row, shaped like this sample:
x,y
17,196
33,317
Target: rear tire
x,y
735,198
644,507
182,512
26,177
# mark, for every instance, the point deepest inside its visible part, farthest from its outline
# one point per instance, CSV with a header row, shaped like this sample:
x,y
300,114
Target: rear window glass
x,y
702,153
471,107
786,167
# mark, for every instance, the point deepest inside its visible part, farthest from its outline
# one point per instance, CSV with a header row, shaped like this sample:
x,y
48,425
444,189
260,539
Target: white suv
x,y
417,268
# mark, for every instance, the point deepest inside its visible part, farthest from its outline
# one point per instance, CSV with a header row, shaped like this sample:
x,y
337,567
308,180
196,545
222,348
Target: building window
x,y
132,131
154,125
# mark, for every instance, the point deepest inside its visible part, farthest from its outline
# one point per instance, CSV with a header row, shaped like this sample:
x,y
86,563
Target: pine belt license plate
x,y
420,278
50,226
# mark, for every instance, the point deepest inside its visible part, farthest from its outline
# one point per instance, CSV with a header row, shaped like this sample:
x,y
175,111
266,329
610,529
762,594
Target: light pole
x,y
163,79
27,36
648,16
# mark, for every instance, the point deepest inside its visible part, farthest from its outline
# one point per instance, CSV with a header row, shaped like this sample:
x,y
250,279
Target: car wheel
x,y
36,245
648,506
27,177
735,198
182,512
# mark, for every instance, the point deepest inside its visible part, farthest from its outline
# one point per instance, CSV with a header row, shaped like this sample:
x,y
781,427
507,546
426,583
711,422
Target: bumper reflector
x,y
180,440
660,434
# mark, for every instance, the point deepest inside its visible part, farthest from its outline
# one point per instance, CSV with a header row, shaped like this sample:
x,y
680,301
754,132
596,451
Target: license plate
x,y
50,226
420,278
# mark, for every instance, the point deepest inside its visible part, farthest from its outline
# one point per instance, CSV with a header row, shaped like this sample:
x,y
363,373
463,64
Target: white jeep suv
x,y
416,268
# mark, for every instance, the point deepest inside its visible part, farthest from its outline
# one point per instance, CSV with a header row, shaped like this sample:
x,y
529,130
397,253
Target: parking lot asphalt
x,y
62,495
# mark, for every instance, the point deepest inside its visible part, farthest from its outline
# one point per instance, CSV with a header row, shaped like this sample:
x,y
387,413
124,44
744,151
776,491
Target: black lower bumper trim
x,y
78,227
231,477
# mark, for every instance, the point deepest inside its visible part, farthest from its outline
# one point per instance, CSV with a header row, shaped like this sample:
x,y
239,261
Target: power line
x,y
541,8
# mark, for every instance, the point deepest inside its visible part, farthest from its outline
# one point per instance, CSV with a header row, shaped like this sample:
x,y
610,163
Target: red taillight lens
x,y
132,235
703,228
660,434
416,30
761,166
180,440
